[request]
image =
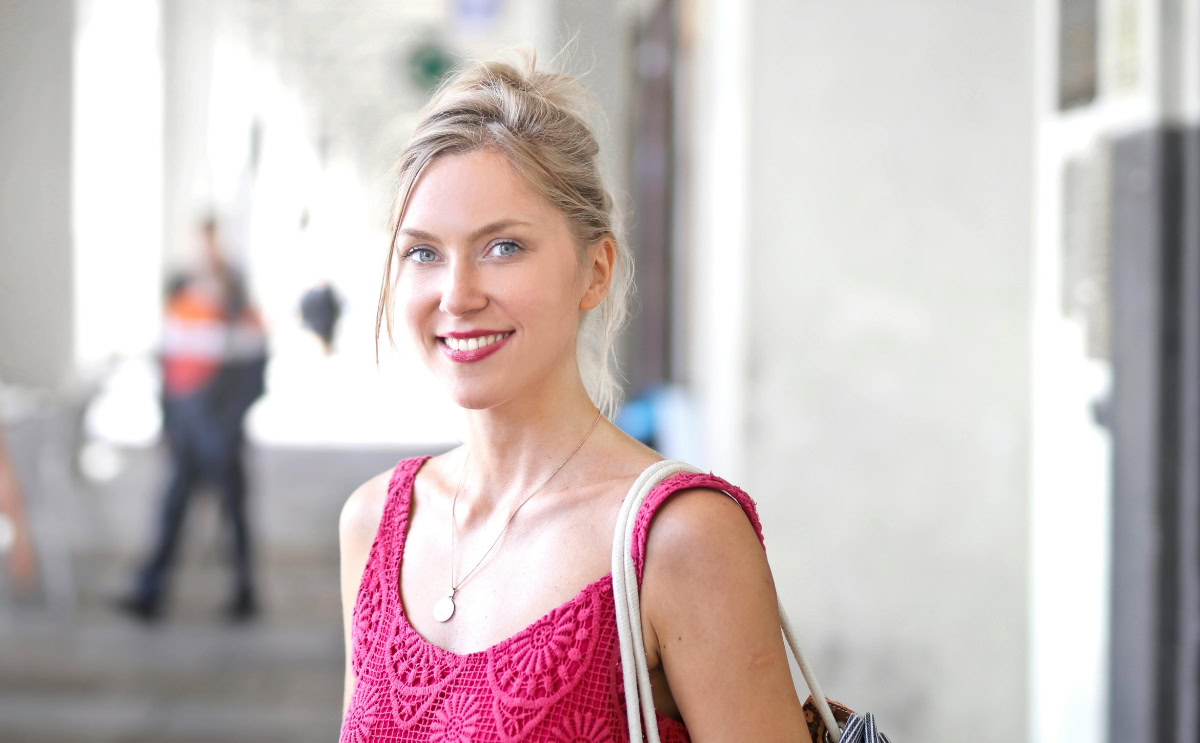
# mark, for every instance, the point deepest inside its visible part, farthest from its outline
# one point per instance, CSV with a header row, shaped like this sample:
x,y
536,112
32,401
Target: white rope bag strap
x,y
638,696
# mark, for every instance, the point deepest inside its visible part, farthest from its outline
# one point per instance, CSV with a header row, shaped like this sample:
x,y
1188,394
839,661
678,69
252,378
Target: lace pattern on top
x,y
556,681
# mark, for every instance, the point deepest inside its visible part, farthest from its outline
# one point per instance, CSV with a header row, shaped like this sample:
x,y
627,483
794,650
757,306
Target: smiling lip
x,y
466,357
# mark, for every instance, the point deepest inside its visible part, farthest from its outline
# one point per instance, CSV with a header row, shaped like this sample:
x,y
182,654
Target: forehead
x,y
455,194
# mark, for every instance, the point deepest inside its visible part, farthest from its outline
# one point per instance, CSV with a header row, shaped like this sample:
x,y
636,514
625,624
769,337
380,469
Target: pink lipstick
x,y
463,353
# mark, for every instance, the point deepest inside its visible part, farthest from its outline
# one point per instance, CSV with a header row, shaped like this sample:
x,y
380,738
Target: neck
x,y
516,446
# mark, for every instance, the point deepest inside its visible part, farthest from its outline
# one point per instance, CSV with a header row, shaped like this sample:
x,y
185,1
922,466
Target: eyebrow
x,y
484,230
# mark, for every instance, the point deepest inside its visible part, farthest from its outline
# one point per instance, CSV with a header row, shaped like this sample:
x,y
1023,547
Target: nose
x,y
462,292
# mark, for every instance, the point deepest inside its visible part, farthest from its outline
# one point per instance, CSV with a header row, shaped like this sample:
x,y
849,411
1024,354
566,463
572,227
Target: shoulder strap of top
x,y
394,524
674,484
389,536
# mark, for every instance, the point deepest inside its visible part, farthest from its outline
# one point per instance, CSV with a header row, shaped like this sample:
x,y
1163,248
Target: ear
x,y
601,255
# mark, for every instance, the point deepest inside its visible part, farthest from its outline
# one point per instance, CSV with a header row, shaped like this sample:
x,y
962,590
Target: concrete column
x,y
867,173
35,192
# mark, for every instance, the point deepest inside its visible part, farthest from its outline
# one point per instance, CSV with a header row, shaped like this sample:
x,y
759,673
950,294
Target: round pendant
x,y
443,609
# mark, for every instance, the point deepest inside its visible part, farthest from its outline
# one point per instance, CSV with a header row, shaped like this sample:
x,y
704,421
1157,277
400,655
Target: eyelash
x,y
418,248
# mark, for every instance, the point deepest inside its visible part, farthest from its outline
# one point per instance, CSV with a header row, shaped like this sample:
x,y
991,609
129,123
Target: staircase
x,y
71,669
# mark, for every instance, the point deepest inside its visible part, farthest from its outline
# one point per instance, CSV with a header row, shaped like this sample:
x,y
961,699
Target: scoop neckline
x,y
406,488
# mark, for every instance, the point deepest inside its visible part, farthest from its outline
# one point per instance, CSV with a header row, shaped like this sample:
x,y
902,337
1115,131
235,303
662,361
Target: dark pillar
x,y
1156,435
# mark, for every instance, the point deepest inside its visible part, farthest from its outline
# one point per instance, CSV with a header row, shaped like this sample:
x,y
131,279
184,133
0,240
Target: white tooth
x,y
453,343
472,344
492,339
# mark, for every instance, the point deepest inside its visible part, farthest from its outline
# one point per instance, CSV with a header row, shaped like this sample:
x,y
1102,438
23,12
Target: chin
x,y
476,397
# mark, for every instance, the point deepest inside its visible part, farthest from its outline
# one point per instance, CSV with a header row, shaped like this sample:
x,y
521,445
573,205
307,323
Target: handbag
x,y
826,719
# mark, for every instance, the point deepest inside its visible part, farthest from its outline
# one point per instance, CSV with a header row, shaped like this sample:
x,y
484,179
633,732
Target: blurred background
x,y
923,277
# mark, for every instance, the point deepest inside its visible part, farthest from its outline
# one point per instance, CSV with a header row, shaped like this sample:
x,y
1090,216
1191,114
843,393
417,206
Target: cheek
x,y
542,301
414,298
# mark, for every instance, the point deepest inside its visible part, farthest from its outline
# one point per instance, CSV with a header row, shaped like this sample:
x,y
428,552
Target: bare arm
x,y
357,526
710,604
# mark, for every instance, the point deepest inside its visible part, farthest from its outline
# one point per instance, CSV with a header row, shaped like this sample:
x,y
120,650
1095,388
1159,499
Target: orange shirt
x,y
197,340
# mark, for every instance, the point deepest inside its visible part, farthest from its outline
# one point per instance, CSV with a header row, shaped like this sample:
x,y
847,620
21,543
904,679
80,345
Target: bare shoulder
x,y
700,524
700,544
357,526
363,510
710,605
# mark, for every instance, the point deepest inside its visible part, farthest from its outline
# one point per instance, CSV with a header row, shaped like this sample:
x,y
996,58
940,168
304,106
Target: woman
x,y
476,588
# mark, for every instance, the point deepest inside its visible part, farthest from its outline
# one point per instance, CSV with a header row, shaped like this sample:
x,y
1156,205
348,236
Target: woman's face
x,y
489,284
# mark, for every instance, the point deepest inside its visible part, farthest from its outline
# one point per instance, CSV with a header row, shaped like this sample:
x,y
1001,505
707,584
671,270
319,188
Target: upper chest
x,y
548,554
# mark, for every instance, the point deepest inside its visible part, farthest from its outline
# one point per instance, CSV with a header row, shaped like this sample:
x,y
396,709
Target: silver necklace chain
x,y
445,607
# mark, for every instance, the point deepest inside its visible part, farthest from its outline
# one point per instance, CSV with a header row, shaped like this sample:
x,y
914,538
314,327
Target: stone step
x,y
71,669
136,718
276,661
295,590
174,682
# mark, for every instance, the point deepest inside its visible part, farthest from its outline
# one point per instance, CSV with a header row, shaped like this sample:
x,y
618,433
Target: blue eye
x,y
419,251
507,244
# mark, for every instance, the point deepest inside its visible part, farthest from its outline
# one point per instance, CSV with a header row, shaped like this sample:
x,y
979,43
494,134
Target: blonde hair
x,y
536,119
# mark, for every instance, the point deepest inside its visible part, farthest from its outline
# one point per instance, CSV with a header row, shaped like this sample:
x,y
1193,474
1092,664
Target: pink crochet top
x,y
558,680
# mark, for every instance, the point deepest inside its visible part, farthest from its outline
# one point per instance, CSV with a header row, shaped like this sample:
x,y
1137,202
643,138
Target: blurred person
x,y
213,356
476,590
15,537
320,309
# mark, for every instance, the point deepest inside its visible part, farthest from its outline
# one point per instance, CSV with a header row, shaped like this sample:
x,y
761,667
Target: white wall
x,y
885,244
